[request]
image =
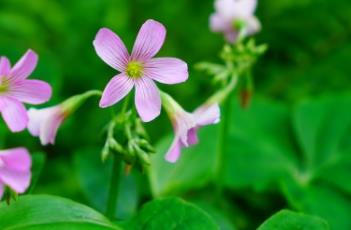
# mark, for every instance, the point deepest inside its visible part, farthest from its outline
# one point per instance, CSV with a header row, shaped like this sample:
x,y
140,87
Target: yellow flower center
x,y
4,84
135,69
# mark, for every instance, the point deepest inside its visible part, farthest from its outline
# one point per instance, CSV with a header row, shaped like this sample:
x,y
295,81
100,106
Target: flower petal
x,y
192,137
5,66
14,114
17,180
218,23
253,25
206,115
118,87
174,151
49,127
36,116
166,70
147,99
111,49
30,91
25,66
17,159
149,40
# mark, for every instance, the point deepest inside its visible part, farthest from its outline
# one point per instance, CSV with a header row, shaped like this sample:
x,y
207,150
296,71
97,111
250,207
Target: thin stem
x,y
116,168
114,186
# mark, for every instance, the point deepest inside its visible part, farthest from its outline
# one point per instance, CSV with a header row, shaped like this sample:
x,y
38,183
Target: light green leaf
x,y
171,213
289,220
50,212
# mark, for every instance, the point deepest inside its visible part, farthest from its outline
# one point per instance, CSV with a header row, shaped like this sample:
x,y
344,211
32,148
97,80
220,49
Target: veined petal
x,y
147,99
17,159
206,115
149,40
17,180
30,91
174,151
118,87
5,66
14,114
111,49
166,70
25,66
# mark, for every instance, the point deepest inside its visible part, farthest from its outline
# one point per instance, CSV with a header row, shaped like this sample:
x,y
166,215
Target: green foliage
x,y
289,220
93,176
50,212
171,213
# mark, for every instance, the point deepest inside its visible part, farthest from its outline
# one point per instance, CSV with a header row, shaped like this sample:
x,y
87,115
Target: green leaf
x,y
320,126
258,136
50,212
289,220
321,201
193,170
94,178
171,213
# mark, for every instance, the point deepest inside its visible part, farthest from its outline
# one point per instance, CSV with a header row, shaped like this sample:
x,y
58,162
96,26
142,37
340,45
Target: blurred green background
x,y
309,55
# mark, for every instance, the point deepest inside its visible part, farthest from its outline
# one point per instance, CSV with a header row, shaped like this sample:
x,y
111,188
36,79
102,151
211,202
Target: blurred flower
x,y
44,123
138,69
235,18
15,90
186,124
15,171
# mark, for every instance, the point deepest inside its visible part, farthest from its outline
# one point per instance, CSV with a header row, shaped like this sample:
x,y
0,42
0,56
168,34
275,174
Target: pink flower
x,y
139,69
15,171
44,123
231,16
186,125
15,90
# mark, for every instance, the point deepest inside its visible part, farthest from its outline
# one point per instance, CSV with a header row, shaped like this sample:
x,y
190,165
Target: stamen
x,y
135,69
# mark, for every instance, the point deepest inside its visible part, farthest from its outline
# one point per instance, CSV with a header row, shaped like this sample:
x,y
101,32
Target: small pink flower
x,y
230,15
139,69
15,90
15,165
44,123
186,125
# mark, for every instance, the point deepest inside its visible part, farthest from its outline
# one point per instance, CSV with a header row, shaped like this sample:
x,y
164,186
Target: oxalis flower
x,y
44,123
139,69
15,90
15,165
186,124
235,18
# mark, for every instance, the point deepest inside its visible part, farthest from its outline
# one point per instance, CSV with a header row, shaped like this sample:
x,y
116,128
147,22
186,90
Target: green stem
x,y
116,169
114,186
